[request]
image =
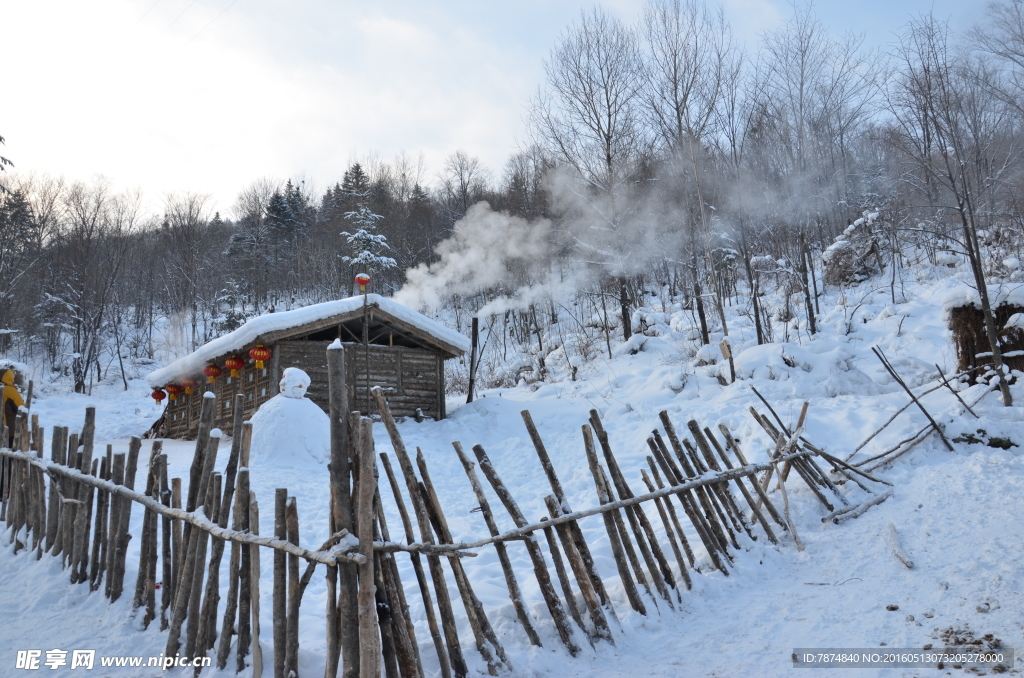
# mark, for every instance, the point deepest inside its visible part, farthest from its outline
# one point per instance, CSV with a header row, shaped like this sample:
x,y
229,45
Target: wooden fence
x,y
78,508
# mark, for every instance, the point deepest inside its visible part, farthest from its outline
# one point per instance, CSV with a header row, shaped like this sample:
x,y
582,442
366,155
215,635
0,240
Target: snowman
x,y
290,431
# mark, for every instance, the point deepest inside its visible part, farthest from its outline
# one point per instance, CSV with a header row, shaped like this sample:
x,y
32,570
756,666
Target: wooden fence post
x,y
245,573
254,595
123,518
291,662
341,514
369,635
280,603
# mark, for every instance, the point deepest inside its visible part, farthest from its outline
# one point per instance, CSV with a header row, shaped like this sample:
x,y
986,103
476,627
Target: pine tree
x,y
4,161
355,182
367,245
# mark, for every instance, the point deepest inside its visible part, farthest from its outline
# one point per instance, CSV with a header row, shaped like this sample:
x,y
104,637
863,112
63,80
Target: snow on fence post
x,y
117,477
669,531
725,497
70,503
365,488
228,628
756,513
200,618
347,642
694,500
563,580
153,542
176,538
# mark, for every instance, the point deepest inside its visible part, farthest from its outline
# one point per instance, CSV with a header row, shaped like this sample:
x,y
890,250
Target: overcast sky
x,y
208,95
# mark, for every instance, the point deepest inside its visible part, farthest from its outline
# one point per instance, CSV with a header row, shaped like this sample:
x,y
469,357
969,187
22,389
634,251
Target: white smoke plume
x,y
489,251
515,263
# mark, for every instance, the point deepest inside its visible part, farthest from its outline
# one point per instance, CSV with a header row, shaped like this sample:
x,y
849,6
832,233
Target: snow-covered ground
x,y
958,513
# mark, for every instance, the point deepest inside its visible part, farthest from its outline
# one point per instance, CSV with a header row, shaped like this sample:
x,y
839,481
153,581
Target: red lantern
x,y
173,390
158,395
362,279
212,372
189,384
234,363
260,354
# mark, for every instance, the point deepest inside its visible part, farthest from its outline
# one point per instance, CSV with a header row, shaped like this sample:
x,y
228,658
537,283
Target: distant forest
x,y
663,160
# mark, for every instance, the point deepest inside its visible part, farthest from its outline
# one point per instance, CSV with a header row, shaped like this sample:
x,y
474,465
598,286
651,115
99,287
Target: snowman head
x,y
294,383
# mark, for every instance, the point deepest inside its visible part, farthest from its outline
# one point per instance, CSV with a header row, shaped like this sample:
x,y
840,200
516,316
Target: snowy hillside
x,y
957,513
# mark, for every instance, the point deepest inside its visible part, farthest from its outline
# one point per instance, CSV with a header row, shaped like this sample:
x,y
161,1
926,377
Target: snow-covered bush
x,y
855,255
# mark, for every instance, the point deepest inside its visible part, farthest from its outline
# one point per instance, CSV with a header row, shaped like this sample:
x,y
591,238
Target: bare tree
x,y
947,126
689,51
185,227
590,116
463,181
1003,37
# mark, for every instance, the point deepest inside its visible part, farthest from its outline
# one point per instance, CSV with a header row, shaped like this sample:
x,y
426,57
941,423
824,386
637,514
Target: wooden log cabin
x,y
405,356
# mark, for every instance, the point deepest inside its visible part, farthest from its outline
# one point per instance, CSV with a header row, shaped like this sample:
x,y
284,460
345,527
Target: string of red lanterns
x,y
259,354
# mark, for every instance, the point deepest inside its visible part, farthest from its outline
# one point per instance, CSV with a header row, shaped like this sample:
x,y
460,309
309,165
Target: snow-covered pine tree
x,y
366,244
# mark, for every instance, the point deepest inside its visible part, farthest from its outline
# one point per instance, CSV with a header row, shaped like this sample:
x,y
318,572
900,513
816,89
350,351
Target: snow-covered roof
x,y
964,295
272,326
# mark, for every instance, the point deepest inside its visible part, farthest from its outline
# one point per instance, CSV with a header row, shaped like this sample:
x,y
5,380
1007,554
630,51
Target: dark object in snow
x,y
892,608
983,439
967,325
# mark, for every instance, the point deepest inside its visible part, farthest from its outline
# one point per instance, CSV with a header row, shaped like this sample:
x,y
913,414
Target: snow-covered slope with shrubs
x,y
957,513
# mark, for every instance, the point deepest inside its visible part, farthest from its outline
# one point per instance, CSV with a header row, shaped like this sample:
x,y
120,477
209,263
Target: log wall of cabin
x,y
412,379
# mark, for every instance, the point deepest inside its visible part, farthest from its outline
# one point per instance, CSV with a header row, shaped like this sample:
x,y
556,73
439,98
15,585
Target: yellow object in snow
x,y
12,395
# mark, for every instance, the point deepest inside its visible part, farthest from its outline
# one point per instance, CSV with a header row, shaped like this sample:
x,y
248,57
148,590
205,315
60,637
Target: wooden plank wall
x,y
181,417
412,379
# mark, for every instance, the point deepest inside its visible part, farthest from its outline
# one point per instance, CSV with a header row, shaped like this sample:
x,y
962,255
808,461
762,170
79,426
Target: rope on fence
x,y
332,557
